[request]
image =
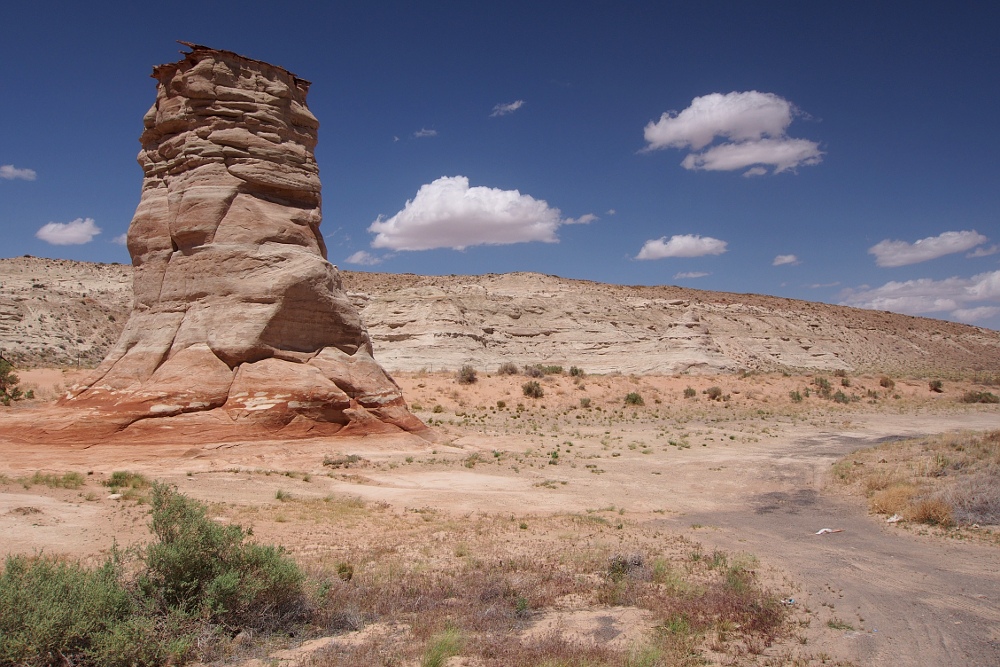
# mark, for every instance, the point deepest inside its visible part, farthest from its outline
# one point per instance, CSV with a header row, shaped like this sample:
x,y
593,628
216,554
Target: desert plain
x,y
576,474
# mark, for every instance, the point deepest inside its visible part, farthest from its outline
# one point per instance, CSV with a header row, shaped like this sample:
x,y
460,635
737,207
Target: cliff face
x,y
443,322
235,306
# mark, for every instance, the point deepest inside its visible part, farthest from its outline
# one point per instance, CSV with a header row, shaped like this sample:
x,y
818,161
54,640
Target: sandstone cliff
x,y
442,322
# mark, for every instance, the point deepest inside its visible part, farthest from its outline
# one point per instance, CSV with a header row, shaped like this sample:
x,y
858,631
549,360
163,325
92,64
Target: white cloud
x,y
363,258
782,260
77,232
782,154
121,239
9,172
979,314
509,107
447,213
752,125
984,252
823,285
964,299
584,219
612,211
690,274
681,245
424,132
901,253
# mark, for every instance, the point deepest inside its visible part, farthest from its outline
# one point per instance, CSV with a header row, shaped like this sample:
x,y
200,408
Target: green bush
x,y
634,398
466,375
795,395
210,571
532,389
576,372
51,608
689,392
714,393
9,390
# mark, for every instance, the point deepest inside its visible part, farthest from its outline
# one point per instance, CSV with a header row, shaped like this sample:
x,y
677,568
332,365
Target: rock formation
x,y
236,308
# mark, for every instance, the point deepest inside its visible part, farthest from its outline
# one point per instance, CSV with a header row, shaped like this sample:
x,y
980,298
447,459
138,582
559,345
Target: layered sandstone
x,y
236,309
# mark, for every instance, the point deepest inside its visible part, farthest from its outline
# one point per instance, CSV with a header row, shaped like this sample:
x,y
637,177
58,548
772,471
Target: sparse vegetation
x,y
192,587
466,375
532,389
689,392
937,386
714,393
507,368
9,384
633,398
576,372
887,382
941,480
973,396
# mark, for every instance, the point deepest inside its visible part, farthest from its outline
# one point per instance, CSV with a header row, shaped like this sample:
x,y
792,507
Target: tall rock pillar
x,y
236,307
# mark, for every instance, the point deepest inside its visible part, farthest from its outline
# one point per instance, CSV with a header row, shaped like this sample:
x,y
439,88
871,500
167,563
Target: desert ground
x,y
580,470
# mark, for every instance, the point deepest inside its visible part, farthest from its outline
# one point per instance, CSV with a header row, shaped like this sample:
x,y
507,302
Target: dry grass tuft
x,y
946,480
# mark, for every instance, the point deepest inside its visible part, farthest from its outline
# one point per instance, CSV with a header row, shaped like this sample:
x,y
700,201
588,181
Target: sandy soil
x,y
747,474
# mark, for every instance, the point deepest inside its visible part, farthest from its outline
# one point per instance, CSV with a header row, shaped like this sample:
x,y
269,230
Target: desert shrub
x,y
69,480
634,398
973,396
576,372
552,370
584,402
840,373
936,386
501,404
123,479
689,392
532,389
507,368
51,608
714,393
932,511
841,397
466,375
206,570
823,387
9,389
845,382
795,395
535,371
887,382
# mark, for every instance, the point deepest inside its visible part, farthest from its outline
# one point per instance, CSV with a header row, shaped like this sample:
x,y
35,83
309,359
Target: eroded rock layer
x,y
236,308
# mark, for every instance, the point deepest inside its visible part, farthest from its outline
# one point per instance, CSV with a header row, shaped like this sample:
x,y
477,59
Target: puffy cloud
x,y
690,274
681,245
363,258
984,252
509,107
77,232
424,132
782,154
9,172
752,125
901,253
447,213
965,299
782,260
121,239
584,219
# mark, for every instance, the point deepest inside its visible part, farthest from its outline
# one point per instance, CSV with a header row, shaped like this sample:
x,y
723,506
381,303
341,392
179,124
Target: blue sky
x,y
838,152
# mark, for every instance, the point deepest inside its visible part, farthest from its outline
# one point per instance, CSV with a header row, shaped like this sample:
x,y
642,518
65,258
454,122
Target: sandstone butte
x,y
239,323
